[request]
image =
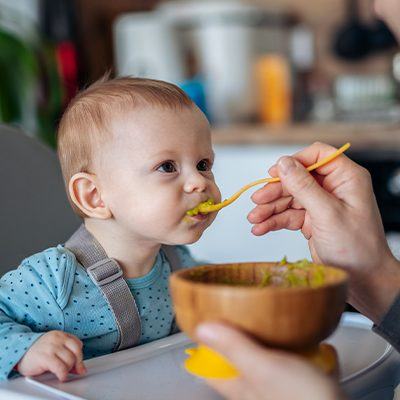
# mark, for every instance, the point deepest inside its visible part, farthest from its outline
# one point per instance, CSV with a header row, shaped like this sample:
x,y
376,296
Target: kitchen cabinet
x,y
363,136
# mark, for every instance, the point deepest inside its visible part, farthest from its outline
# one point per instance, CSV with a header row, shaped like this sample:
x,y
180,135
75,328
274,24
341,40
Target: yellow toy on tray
x,y
207,363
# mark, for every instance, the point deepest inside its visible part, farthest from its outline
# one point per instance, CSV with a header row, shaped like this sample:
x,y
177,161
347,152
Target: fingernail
x,y
286,164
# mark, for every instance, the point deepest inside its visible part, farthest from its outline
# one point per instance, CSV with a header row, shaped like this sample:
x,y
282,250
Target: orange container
x,y
272,74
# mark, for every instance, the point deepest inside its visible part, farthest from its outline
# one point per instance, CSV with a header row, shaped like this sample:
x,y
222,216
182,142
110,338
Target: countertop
x,y
362,136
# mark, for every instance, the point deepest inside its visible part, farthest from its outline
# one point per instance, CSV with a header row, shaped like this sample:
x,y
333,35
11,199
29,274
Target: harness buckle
x,y
105,271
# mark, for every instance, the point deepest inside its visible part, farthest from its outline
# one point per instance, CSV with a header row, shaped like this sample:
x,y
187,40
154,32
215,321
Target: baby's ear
x,y
85,193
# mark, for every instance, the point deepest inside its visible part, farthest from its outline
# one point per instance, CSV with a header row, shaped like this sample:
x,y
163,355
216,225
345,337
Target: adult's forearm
x,y
377,297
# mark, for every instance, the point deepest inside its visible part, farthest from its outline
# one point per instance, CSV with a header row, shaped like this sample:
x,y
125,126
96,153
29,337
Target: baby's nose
x,y
195,183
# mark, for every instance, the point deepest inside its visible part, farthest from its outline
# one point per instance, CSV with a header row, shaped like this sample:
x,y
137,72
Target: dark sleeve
x,y
389,327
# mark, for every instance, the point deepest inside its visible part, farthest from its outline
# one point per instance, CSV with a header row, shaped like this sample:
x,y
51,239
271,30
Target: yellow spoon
x,y
209,206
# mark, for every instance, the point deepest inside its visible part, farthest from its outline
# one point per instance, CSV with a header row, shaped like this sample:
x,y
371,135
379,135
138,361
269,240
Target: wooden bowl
x,y
284,317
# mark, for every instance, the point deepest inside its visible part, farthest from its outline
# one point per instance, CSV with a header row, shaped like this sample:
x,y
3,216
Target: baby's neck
x,y
135,256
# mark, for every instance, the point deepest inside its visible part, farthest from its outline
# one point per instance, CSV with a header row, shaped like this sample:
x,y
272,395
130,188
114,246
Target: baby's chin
x,y
187,232
189,236
193,240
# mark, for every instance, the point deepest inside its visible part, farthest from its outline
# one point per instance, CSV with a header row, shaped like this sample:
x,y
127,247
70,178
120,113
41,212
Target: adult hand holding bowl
x,y
282,305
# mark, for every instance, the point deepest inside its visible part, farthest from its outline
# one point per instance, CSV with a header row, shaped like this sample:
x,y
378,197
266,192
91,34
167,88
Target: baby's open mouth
x,y
202,208
198,217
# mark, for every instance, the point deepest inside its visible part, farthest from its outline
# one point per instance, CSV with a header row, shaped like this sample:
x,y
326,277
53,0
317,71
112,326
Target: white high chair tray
x,y
155,370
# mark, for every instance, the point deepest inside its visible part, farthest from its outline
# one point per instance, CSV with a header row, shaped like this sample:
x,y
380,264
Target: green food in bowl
x,y
301,273
284,274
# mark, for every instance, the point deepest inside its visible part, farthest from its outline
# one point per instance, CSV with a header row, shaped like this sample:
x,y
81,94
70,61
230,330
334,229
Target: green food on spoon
x,y
200,208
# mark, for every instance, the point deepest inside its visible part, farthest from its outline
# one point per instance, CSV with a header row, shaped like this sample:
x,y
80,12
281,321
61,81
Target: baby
x,y
135,154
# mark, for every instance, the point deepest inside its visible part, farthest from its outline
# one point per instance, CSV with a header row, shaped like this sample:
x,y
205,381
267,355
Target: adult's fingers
x,y
234,345
232,389
302,186
316,152
264,211
263,371
290,219
269,192
308,156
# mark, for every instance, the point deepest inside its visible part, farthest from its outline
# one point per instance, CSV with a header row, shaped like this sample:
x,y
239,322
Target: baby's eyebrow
x,y
164,154
210,156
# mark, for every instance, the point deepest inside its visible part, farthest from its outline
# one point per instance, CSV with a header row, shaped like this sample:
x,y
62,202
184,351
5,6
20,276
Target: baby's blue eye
x,y
167,167
203,165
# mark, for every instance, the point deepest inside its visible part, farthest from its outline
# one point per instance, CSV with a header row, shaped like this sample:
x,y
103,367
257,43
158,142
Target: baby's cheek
x,y
164,212
139,212
212,218
216,194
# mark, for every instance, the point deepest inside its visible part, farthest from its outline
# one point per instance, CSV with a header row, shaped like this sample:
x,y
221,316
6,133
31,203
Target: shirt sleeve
x,y
30,299
15,341
389,327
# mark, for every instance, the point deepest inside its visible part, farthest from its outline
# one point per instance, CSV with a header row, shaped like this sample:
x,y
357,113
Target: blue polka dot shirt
x,y
52,291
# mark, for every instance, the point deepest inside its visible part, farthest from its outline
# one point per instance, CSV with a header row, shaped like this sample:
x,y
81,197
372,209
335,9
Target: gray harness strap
x,y
107,275
175,263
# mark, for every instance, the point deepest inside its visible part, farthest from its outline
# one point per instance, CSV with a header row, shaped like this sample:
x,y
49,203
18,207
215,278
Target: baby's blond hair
x,y
85,123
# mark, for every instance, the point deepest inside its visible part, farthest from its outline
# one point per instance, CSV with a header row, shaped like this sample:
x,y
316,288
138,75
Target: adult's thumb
x,y
302,186
242,351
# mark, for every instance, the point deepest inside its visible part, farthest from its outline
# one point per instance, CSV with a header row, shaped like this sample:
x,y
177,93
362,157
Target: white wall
x,y
229,238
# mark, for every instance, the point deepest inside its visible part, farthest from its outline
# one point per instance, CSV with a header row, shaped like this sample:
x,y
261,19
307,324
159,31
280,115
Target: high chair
x,y
34,211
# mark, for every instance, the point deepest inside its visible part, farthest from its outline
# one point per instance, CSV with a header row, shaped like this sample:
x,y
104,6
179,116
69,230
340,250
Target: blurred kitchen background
x,y
271,75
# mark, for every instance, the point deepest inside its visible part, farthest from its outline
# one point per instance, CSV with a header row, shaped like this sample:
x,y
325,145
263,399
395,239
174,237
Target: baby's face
x,y
157,166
